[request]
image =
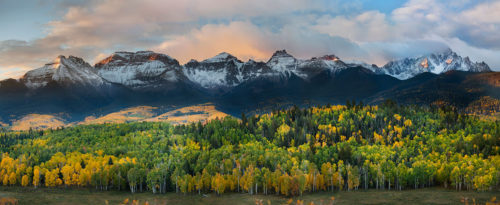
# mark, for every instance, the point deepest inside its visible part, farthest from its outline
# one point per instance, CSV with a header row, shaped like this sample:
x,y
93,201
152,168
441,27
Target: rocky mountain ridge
x,y
146,69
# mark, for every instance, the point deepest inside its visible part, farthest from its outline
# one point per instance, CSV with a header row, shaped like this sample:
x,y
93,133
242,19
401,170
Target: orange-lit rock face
x,y
327,57
449,61
153,57
425,63
57,62
331,58
106,60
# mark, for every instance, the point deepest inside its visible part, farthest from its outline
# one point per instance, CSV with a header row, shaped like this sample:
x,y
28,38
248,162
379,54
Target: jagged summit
x,y
280,54
282,62
436,63
330,57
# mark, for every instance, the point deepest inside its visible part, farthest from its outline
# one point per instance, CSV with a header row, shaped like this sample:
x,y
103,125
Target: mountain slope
x,y
325,87
38,122
457,88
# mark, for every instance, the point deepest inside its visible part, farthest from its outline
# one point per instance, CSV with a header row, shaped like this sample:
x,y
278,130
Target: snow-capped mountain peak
x,y
436,63
124,57
329,58
71,70
222,70
282,62
285,64
139,69
281,54
221,57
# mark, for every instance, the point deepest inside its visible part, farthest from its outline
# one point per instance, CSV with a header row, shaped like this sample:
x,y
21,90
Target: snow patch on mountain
x,y
221,57
208,78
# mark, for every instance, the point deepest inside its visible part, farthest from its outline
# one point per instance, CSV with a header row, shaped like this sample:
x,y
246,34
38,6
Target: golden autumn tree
x,y
5,180
67,171
12,178
25,180
36,176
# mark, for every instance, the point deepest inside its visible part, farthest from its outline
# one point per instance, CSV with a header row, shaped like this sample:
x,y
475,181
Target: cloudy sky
x,y
35,32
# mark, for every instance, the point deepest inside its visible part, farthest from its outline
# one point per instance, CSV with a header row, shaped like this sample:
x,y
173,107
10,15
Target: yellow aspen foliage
x,y
75,179
398,129
218,184
341,117
36,177
398,144
25,180
378,138
12,178
52,178
408,123
330,129
370,115
5,180
67,172
397,117
342,138
351,139
283,130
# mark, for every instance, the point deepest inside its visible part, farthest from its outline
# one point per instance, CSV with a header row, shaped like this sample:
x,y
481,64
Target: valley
x,y
290,102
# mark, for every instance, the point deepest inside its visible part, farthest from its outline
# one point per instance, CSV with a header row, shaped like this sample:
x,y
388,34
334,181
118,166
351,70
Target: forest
x,y
287,152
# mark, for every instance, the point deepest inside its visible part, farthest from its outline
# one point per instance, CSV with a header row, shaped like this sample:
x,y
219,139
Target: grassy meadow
x,y
90,196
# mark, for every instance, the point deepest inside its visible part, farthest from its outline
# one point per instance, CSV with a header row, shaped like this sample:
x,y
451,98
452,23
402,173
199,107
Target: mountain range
x,y
74,89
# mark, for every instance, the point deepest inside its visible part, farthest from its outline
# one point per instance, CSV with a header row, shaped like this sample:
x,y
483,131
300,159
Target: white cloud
x,y
486,13
368,26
